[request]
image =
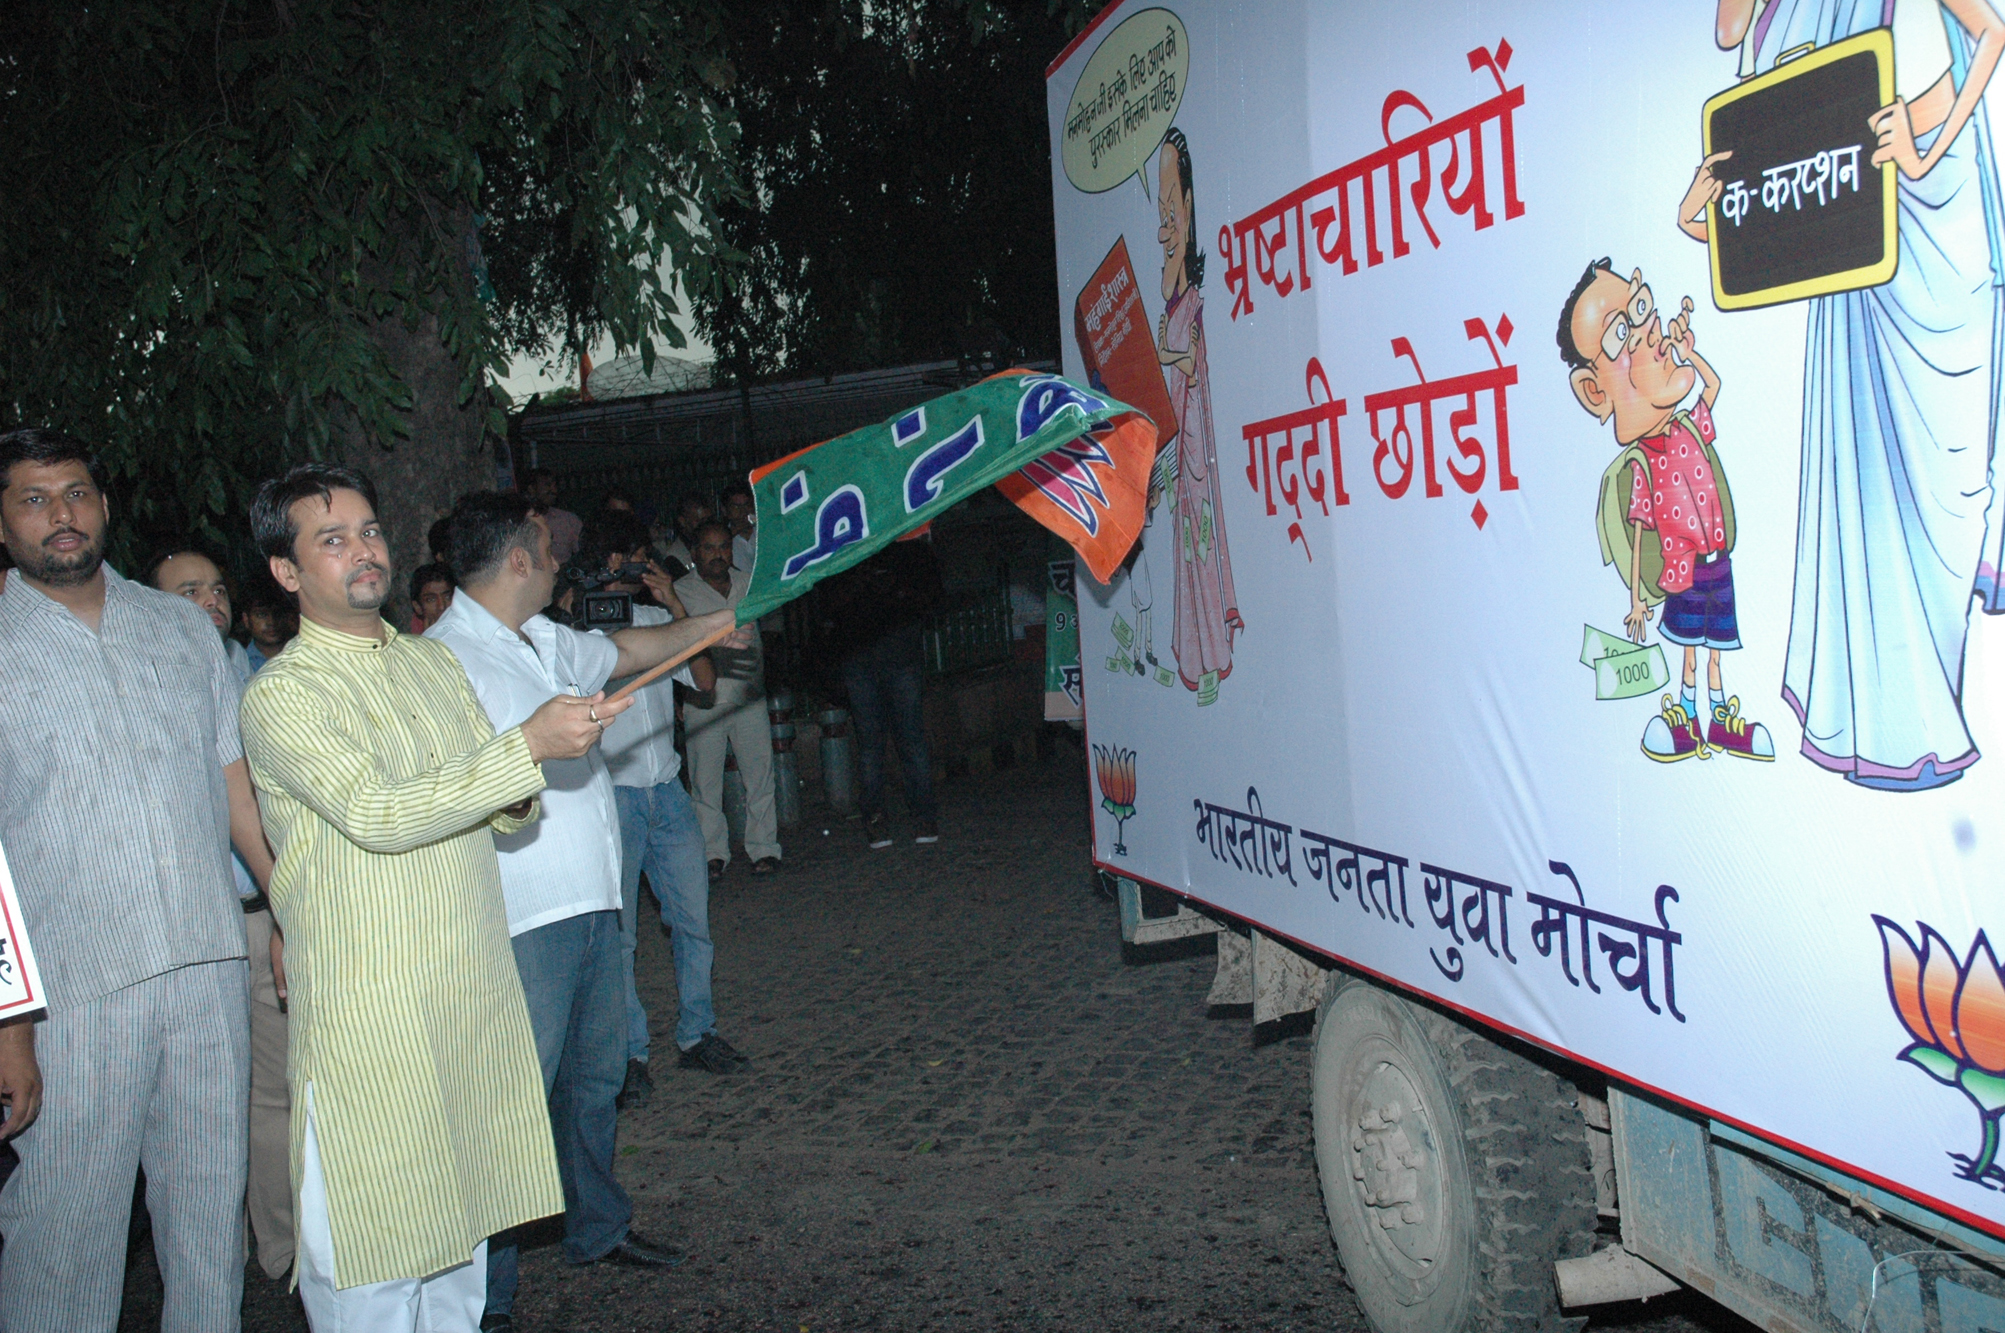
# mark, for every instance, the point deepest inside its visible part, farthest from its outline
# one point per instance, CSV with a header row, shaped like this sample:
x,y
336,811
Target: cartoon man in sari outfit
x,y
1900,403
1207,605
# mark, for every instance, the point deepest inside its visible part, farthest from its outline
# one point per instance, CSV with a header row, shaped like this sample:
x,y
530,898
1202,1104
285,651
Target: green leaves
x,y
216,218
897,203
1938,1065
1987,1090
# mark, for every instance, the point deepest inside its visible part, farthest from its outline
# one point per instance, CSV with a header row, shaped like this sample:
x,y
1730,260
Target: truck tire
x,y
1455,1169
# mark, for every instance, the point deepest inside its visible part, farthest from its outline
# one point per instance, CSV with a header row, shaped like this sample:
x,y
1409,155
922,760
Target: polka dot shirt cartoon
x,y
1672,537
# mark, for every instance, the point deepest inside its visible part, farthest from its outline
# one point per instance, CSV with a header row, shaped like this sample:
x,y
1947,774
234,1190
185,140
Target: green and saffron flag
x,y
1075,460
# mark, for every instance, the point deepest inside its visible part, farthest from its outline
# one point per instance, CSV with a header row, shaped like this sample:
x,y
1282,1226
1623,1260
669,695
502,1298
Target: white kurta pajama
x,y
735,721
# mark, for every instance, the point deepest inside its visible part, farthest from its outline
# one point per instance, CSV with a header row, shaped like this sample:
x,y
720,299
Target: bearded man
x,y
419,1124
122,788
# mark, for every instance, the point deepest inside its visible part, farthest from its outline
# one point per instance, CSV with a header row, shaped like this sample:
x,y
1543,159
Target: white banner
x,y
1612,669
20,982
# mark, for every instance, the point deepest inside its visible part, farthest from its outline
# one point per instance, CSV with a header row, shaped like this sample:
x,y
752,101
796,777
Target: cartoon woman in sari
x,y
1207,605
1900,403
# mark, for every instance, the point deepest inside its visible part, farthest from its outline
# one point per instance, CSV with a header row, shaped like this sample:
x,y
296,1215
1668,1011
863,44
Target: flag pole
x,y
653,674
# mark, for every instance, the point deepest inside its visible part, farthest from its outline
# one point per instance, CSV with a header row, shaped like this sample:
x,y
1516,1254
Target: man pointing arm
x,y
561,877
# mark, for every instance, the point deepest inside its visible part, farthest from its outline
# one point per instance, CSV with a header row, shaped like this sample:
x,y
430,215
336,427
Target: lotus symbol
x,y
1115,768
1956,1014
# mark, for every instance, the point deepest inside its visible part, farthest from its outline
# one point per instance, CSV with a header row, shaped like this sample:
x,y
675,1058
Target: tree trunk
x,y
446,454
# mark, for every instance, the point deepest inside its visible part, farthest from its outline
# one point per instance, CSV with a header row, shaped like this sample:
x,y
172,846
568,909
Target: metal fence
x,y
975,634
666,445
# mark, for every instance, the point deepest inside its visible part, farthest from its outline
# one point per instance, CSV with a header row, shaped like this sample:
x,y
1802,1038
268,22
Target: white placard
x,y
20,981
1348,662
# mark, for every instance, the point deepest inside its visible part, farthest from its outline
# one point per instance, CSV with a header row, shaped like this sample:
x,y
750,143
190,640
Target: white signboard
x,y
1517,624
20,982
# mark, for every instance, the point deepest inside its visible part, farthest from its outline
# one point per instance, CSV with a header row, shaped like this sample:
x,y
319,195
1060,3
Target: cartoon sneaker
x,y
1738,736
1673,735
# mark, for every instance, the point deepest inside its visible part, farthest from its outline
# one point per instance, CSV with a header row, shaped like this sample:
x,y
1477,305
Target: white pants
x,y
448,1302
748,733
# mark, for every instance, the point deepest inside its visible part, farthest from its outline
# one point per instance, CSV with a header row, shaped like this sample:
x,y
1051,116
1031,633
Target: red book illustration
x,y
1118,343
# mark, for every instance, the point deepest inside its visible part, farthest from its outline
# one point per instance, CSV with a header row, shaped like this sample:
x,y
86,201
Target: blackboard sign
x,y
1804,212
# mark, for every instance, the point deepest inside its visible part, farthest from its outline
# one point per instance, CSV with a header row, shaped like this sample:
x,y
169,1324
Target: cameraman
x,y
659,832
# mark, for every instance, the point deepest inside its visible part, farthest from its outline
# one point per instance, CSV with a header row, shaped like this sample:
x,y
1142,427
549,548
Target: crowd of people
x,y
337,920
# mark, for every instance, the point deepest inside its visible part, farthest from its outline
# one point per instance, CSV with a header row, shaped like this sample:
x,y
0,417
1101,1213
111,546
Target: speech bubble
x,y
1126,100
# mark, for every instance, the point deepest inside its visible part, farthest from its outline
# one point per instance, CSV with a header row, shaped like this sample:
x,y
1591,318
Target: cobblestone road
x,y
967,1111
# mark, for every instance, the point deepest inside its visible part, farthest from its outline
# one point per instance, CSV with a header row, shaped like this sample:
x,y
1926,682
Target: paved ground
x,y
967,1112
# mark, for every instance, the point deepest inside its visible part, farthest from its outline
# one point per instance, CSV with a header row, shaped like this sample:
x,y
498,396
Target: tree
x,y
238,233
898,193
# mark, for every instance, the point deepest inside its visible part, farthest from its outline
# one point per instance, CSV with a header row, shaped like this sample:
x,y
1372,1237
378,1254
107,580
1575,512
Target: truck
x,y
1562,655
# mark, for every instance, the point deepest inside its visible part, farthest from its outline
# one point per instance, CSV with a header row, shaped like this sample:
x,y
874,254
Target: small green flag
x,y
1083,459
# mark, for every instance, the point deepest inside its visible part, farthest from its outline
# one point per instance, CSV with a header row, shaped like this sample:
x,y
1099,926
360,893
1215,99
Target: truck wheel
x,y
1455,1170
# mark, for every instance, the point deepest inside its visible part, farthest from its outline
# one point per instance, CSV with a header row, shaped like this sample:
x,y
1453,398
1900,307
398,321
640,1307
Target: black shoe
x,y
716,870
928,831
635,1252
497,1323
877,829
639,1087
713,1054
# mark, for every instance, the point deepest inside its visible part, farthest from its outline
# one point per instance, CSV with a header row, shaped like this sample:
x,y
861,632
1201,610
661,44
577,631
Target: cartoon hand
x,y
1637,622
1896,139
1679,331
1705,189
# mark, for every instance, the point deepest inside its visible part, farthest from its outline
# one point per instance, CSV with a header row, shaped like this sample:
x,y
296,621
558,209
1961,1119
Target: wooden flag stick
x,y
653,674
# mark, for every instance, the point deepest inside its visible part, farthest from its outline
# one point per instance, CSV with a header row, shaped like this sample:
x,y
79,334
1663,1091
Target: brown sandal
x,y
766,865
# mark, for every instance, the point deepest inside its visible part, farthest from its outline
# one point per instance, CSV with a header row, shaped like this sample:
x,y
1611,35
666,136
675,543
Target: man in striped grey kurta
x,y
121,788
419,1123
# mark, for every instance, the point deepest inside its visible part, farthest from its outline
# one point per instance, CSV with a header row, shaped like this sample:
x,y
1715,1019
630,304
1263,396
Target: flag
x,y
1075,460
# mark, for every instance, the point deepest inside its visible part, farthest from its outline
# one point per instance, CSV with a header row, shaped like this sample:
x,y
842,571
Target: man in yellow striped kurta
x,y
419,1122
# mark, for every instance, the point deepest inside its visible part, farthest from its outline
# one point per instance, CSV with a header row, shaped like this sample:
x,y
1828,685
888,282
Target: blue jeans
x,y
884,690
571,978
659,834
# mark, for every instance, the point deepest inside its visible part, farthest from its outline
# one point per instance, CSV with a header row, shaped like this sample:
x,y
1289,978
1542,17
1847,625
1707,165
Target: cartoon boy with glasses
x,y
1629,368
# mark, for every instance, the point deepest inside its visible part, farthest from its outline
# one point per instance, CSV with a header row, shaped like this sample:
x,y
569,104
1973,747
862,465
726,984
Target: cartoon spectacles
x,y
1638,313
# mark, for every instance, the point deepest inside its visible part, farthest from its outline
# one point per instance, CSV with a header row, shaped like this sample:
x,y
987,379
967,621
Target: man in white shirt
x,y
734,719
660,835
560,876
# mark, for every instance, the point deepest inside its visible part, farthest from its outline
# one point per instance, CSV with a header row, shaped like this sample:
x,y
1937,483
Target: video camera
x,y
594,608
